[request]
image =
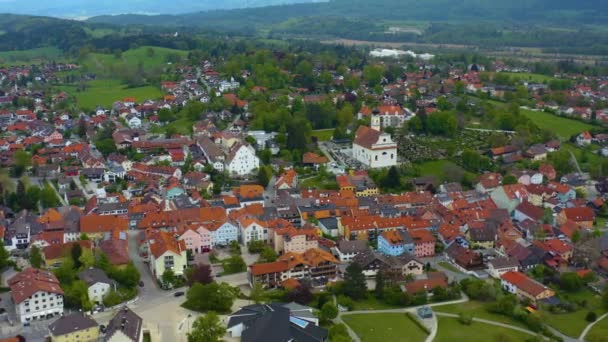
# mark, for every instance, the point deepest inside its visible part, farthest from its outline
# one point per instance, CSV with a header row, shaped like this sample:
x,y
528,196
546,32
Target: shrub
x,y
465,319
346,302
591,316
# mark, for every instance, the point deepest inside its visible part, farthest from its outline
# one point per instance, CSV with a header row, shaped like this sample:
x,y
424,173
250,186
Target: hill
x,y
87,8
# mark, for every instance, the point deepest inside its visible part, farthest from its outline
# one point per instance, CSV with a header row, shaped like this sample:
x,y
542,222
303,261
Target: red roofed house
x,y
166,253
373,148
434,280
36,294
424,243
582,216
95,225
525,287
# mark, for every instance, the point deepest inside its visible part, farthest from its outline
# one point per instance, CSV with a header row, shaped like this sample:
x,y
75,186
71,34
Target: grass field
x,y
319,183
526,76
599,332
372,303
563,127
388,327
106,92
102,63
448,266
9,58
451,330
573,323
434,168
323,134
478,310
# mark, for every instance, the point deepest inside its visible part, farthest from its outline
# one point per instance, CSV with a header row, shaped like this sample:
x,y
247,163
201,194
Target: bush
x,y
465,319
346,302
591,317
256,246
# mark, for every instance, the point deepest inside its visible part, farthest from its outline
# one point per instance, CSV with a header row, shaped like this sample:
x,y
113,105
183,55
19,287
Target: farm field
x,y
9,58
147,56
563,127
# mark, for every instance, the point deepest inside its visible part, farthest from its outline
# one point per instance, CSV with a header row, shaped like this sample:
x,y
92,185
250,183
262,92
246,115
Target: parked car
x,y
141,284
178,293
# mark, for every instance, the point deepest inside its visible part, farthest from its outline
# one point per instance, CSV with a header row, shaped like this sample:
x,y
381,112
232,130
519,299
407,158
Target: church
x,y
374,149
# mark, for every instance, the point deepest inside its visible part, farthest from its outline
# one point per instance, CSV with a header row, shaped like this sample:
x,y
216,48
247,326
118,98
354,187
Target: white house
x,y
374,149
224,234
98,283
36,295
134,122
166,253
252,230
499,266
228,85
242,160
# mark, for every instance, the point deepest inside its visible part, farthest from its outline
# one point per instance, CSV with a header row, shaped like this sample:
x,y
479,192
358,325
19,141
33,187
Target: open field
x,y
478,310
387,327
526,76
563,127
147,56
599,332
573,323
451,330
323,134
106,92
9,58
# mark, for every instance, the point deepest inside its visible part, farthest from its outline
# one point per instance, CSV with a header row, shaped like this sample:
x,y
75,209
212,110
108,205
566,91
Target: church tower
x,y
376,123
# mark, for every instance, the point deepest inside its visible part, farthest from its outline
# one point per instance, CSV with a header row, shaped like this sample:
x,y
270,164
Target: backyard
x,y
386,327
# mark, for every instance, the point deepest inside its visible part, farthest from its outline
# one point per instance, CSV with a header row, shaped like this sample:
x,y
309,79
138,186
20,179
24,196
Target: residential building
x,y
36,294
275,322
525,287
374,149
424,243
373,262
98,283
125,326
432,281
166,253
76,326
347,250
252,229
582,216
396,242
499,266
242,160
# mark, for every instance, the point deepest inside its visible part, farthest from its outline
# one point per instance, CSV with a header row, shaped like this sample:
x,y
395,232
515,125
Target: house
x,y
432,281
373,262
223,233
374,149
252,229
483,237
584,138
166,253
347,250
242,160
525,287
95,225
76,326
499,266
509,196
196,240
464,258
134,122
275,322
581,216
36,294
313,159
288,180
387,116
98,283
125,326
424,243
396,242
528,211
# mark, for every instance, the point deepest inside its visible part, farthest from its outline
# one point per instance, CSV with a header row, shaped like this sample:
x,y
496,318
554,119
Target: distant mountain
x,y
555,12
89,8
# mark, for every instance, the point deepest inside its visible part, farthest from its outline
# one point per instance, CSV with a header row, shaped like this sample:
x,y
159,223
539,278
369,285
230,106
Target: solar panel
x,y
299,322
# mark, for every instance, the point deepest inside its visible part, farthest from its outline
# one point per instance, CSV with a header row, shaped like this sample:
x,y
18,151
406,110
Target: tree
x,y
380,283
301,294
207,328
571,281
509,179
264,175
256,246
77,295
87,259
200,273
355,285
5,257
268,255
591,317
21,161
392,179
235,264
168,278
373,74
48,197
35,257
257,293
328,312
211,297
76,252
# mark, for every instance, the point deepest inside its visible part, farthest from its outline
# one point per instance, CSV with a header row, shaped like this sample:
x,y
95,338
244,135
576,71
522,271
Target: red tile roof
x,y
26,283
524,283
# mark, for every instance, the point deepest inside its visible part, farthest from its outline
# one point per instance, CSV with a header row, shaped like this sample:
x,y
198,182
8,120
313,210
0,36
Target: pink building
x,y
424,243
197,241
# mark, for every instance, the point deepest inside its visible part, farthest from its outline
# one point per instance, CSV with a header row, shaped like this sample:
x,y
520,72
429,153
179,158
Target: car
x,y
178,294
141,284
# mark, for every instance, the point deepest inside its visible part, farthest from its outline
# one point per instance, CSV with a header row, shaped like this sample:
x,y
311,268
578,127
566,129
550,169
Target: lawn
x,y
29,56
451,330
563,127
434,168
573,323
106,92
372,303
386,327
478,310
448,267
599,332
318,182
323,134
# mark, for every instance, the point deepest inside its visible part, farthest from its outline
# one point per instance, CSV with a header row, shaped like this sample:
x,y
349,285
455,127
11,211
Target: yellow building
x,y
76,327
